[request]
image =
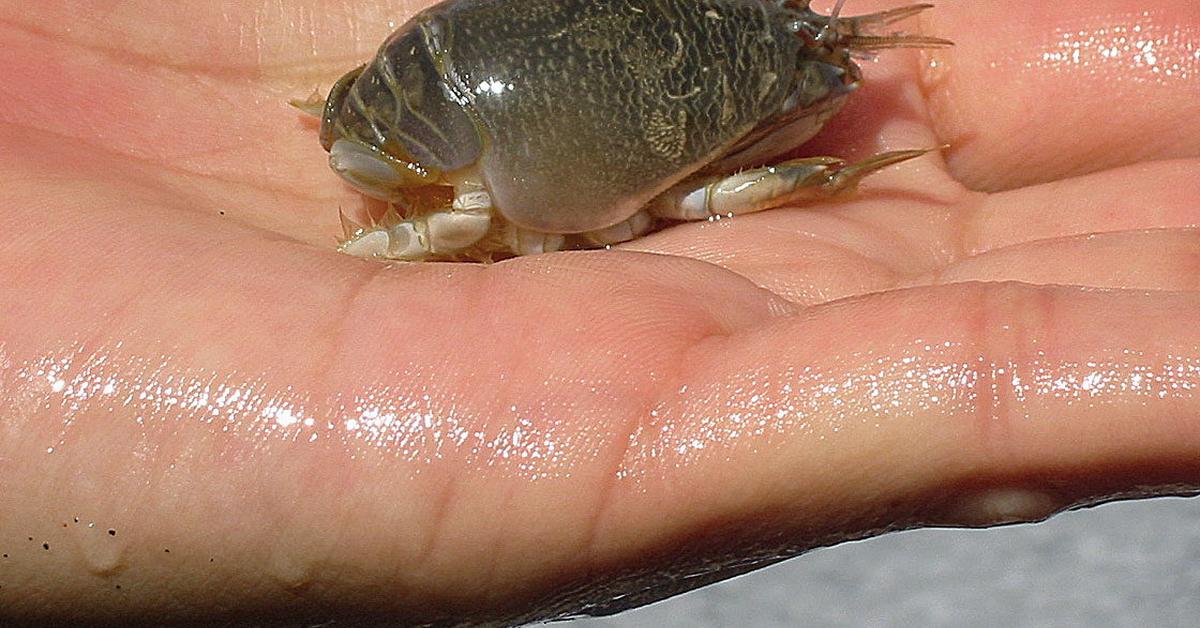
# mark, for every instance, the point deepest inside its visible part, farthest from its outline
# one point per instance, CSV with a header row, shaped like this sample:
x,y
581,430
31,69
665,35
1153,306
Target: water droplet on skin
x,y
820,400
1144,49
288,568
997,506
103,552
153,396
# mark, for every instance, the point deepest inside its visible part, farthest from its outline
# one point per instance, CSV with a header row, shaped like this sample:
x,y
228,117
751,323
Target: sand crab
x,y
511,127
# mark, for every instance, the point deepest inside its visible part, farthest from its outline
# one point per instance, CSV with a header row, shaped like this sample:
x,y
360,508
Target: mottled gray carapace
x,y
587,117
593,119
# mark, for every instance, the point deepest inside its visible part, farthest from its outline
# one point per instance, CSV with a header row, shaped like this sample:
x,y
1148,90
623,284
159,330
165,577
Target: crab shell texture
x,y
576,113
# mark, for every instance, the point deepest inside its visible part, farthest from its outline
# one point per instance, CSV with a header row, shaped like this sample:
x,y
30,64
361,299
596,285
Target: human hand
x,y
273,431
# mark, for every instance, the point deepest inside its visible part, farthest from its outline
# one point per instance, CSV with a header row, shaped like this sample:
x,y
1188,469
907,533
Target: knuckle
x,y
1010,327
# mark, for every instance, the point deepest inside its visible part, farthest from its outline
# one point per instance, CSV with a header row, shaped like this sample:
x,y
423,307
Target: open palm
x,y
208,414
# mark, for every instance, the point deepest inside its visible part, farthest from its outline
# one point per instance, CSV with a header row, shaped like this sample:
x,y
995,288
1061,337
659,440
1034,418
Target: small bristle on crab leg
x,y
314,105
349,227
832,25
390,217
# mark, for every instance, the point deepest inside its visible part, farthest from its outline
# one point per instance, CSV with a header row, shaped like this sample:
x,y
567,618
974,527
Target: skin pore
x,y
207,415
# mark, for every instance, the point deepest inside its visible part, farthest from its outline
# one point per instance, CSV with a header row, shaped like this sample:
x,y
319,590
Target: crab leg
x,y
762,188
426,236
624,231
528,242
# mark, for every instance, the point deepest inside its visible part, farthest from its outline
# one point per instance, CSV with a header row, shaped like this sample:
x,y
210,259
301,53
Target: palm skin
x,y
273,431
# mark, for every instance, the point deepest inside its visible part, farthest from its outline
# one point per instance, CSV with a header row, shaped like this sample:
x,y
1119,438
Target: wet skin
x,y
248,425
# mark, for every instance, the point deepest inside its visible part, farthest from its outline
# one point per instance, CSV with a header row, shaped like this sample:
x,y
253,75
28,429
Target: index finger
x,y
1034,92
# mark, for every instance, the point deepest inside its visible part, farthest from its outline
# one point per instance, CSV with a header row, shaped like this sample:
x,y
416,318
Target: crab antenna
x,y
891,15
861,32
872,42
831,25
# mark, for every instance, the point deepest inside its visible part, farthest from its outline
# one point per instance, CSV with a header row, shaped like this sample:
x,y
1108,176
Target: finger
x,y
1033,93
1149,260
1157,195
961,405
